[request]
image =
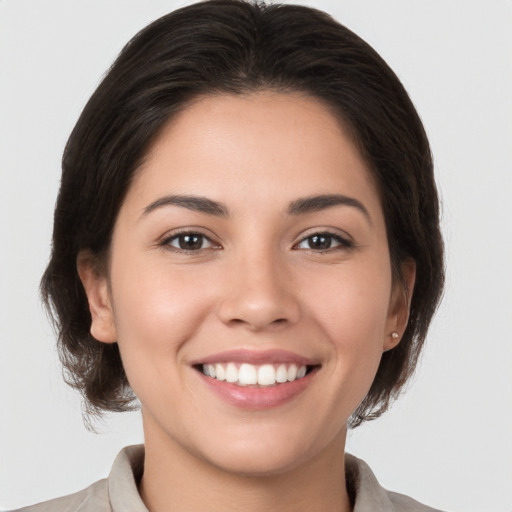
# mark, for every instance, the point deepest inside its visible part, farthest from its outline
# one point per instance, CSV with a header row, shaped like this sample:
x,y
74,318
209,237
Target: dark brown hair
x,y
237,47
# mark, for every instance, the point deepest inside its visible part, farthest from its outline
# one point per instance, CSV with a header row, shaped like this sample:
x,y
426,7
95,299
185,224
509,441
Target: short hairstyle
x,y
238,47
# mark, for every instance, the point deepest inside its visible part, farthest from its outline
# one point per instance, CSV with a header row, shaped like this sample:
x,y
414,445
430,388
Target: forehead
x,y
270,146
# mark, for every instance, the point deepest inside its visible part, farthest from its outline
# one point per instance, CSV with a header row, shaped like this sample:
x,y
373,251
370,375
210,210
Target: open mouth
x,y
262,375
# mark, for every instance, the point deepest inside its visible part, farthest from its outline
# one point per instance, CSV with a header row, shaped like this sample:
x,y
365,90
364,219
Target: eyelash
x,y
167,242
341,242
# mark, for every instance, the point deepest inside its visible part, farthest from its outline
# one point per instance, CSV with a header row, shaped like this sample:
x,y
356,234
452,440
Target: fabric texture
x,y
118,492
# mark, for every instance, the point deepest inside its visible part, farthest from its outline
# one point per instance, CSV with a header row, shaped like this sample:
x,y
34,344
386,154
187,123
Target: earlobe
x,y
399,306
98,296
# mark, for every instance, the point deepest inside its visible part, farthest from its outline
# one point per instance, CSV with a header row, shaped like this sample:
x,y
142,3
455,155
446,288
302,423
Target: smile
x,y
257,380
246,374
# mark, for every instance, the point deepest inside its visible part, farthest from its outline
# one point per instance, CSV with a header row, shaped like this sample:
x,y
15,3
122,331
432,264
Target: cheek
x,y
352,301
153,300
156,310
351,309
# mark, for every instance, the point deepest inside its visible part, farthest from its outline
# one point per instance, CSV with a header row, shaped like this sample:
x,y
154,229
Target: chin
x,y
257,461
267,452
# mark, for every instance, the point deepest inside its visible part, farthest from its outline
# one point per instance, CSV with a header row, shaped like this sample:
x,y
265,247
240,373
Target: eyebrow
x,y
300,206
195,203
322,202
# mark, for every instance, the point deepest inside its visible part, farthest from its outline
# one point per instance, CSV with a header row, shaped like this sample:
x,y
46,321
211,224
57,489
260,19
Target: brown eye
x,y
320,242
323,242
189,242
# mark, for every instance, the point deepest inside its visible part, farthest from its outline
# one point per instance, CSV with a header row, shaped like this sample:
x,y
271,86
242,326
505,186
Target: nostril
x,y
276,322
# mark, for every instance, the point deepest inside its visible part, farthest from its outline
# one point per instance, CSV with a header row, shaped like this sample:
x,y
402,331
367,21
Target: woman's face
x,y
251,248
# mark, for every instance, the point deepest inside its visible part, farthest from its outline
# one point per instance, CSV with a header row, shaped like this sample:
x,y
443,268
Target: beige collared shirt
x,y
118,492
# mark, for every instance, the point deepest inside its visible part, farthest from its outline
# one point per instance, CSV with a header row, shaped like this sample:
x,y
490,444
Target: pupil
x,y
320,242
191,242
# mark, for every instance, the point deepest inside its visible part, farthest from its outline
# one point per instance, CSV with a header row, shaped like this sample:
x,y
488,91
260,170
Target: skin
x,y
256,283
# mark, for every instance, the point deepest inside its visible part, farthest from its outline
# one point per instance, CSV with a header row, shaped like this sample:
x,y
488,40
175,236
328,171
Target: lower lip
x,y
258,398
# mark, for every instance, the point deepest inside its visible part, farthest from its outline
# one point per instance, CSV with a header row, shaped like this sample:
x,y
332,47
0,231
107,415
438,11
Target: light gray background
x,y
448,442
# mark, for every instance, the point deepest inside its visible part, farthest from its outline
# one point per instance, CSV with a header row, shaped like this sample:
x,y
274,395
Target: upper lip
x,y
275,356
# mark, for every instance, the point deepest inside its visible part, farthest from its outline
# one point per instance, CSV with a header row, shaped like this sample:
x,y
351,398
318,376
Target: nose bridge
x,y
259,291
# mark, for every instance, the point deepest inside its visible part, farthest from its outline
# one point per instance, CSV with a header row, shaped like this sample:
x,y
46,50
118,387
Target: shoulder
x,y
404,503
117,493
368,494
93,498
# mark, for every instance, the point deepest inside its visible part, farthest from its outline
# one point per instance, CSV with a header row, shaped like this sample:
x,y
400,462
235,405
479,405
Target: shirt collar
x,y
364,487
124,478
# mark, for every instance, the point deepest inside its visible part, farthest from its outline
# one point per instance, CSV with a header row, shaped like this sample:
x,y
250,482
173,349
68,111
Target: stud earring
x,y
394,335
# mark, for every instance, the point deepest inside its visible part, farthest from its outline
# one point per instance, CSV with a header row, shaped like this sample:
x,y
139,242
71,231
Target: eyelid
x,y
345,240
164,241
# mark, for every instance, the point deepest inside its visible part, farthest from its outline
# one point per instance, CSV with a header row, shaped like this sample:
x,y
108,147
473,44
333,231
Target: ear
x,y
100,305
399,305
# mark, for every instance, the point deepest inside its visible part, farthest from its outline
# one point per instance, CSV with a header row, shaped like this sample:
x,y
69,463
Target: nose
x,y
259,294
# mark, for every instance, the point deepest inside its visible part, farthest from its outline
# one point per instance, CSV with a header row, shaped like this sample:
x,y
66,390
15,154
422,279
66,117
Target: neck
x,y
175,479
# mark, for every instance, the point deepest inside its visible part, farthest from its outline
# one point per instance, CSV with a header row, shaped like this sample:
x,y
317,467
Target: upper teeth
x,y
248,374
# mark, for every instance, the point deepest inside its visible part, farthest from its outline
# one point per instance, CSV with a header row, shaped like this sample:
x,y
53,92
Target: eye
x,y
324,242
189,242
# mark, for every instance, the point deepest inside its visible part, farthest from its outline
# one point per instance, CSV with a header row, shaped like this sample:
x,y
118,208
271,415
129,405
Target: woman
x,y
247,240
